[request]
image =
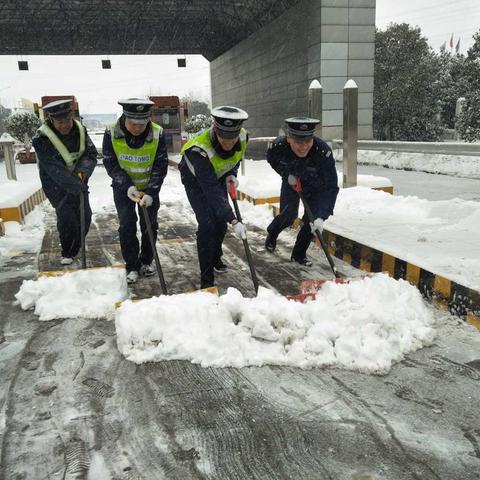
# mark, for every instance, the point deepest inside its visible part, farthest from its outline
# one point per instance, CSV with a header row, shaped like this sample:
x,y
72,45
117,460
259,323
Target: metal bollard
x,y
315,92
7,142
350,133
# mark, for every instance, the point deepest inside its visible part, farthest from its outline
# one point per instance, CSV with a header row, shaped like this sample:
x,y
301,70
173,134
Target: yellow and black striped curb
x,y
18,213
458,299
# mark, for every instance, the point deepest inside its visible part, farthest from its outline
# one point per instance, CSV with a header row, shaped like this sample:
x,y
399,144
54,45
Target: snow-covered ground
x,y
454,165
430,186
440,236
261,181
365,325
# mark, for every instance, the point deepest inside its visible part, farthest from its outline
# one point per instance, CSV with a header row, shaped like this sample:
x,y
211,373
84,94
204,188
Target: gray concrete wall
x,y
269,73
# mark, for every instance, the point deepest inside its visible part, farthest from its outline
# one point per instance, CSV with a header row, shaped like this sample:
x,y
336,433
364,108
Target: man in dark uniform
x,y
135,156
66,159
209,161
305,158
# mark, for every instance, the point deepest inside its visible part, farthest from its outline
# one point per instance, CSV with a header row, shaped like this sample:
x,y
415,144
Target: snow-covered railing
x,y
440,148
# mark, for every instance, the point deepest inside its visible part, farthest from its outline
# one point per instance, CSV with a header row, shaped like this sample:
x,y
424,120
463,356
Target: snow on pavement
x,y
20,239
440,236
261,181
365,325
84,293
454,165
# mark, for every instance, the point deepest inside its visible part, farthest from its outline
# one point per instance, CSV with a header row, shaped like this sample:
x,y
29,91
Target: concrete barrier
x,y
440,148
17,213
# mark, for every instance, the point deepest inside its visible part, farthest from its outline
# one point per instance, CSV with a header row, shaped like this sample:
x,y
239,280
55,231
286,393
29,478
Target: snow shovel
x,y
82,226
297,186
310,287
153,246
233,195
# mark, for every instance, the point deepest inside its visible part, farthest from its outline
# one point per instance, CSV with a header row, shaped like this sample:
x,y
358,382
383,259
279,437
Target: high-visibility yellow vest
x,y
70,158
220,165
137,162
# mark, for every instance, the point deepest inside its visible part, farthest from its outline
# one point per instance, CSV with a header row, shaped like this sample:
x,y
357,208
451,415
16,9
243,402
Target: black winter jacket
x,y
317,173
57,180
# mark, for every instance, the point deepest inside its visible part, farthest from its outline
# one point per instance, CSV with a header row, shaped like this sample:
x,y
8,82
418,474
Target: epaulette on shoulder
x,y
279,142
199,150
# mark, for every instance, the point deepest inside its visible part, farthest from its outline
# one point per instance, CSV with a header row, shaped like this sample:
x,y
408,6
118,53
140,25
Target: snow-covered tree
x,y
197,122
469,120
195,106
4,114
22,126
404,101
450,86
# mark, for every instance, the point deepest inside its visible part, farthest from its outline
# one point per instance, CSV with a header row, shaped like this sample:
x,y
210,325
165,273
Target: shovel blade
x,y
309,288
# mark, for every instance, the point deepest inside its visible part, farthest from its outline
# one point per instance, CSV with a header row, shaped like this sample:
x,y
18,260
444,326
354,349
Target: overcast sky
x,y
98,90
438,19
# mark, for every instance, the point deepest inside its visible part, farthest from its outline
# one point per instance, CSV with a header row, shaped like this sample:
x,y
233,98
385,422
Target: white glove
x,y
232,178
146,200
239,230
292,180
317,224
133,194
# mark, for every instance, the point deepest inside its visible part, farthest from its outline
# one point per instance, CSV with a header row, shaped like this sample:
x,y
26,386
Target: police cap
x,y
301,127
227,121
58,108
136,109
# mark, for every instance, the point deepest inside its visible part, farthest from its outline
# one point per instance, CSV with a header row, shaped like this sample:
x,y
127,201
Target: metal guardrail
x,y
439,148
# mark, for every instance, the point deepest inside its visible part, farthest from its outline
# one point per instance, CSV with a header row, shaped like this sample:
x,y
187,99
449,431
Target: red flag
x,y
457,48
451,41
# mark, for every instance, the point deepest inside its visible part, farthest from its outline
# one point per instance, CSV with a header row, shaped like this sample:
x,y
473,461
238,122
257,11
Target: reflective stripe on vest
x,y
137,162
221,165
70,158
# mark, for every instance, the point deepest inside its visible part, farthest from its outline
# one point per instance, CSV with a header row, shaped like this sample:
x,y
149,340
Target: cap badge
x,y
228,123
304,126
139,108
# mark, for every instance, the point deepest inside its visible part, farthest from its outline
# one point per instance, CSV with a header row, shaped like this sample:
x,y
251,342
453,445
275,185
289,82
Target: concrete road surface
x,y
73,408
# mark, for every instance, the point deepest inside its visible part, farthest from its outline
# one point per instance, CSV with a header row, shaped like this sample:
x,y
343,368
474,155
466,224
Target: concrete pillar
x,y
315,93
350,133
6,143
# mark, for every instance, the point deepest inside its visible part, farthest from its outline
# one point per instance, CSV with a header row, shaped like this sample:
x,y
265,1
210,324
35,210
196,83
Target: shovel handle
x,y
163,285
233,195
82,225
319,235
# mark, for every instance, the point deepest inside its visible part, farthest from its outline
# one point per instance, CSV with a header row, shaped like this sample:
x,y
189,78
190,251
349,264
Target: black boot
x,y
302,261
220,267
270,243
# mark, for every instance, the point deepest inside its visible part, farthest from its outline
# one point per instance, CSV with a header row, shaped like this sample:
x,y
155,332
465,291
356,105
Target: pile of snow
x,y
85,293
456,165
364,325
21,239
